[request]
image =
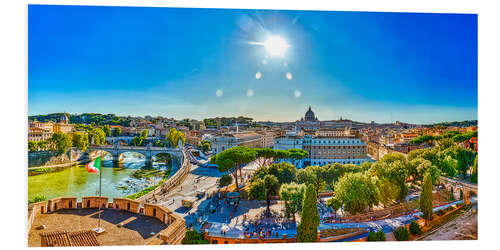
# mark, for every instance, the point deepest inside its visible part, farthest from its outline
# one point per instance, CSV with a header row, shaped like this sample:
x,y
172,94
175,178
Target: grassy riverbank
x,y
148,173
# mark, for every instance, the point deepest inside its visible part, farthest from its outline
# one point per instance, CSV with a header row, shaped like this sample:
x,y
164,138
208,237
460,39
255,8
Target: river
x,y
76,181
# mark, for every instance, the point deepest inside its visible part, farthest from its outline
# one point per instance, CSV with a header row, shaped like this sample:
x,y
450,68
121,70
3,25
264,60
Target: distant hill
x,y
85,118
453,124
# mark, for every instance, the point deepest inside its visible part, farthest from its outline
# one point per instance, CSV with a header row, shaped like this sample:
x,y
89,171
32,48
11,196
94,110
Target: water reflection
x,y
76,181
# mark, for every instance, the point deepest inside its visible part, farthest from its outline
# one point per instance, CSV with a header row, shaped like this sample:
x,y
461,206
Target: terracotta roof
x,y
71,239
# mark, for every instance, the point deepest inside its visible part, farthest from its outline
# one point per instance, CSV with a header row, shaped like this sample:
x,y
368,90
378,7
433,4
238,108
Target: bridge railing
x,y
173,181
133,147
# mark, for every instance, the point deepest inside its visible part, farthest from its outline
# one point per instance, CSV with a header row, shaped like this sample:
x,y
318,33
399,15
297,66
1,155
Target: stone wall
x,y
93,202
228,240
126,204
172,235
62,203
47,158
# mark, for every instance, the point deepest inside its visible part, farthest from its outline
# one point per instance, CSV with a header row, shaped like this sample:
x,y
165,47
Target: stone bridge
x,y
467,188
127,139
148,151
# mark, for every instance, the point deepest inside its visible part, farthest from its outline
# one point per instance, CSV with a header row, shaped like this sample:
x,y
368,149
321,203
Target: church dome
x,y
64,119
310,115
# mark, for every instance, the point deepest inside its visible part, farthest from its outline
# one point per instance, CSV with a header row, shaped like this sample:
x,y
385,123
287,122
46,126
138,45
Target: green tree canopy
x,y
292,194
307,231
263,189
426,198
117,131
97,136
107,130
232,159
473,176
356,192
60,142
80,141
312,175
173,137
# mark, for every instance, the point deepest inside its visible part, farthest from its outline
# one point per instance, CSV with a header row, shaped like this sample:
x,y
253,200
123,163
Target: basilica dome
x,y
310,115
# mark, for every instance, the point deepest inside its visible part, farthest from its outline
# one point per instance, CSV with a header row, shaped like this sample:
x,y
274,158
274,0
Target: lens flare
x,y
276,46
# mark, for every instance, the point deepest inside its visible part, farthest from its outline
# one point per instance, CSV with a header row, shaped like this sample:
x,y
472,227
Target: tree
x,y
307,231
426,198
60,142
192,237
225,180
205,145
394,168
376,236
138,140
292,194
401,234
42,145
334,203
295,154
264,154
107,130
312,175
117,131
284,171
80,141
232,159
144,134
97,136
356,192
32,146
464,157
473,176
415,228
388,191
263,189
173,137
426,166
449,166
272,187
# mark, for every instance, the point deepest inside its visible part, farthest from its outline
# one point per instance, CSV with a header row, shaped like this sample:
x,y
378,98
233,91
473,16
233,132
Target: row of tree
x,y
454,135
233,159
61,142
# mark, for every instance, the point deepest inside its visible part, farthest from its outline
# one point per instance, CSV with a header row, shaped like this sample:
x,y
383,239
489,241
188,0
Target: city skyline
x,y
416,68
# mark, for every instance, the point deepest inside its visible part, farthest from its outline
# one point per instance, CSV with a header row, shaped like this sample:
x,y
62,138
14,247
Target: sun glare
x,y
276,46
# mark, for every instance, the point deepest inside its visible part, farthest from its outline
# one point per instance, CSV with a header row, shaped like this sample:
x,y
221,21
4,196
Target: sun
x,y
276,46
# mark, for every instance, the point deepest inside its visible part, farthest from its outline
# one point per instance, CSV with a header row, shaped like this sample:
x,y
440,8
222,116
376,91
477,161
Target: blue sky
x,y
197,63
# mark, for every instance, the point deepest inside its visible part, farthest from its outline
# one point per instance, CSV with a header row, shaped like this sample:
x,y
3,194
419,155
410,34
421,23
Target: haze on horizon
x,y
200,63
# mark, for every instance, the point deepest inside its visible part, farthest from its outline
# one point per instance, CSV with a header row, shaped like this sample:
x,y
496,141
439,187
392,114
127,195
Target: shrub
x,y
415,228
376,236
192,237
225,180
402,234
37,198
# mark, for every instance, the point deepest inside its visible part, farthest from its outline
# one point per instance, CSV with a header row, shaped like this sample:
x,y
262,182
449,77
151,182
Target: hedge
x,y
402,234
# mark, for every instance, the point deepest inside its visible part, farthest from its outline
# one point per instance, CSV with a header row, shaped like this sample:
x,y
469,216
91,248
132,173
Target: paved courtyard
x,y
137,229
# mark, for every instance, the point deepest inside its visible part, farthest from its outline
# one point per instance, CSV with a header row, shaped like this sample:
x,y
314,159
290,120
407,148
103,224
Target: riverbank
x,y
118,180
53,168
56,167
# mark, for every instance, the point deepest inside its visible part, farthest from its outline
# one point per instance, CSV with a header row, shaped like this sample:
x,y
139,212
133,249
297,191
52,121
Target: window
x,y
154,212
70,204
88,203
128,206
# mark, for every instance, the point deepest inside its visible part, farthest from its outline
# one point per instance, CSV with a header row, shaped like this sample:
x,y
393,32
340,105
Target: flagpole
x,y
100,180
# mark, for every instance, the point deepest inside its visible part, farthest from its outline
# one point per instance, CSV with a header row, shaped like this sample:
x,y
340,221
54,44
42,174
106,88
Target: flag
x,y
94,166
